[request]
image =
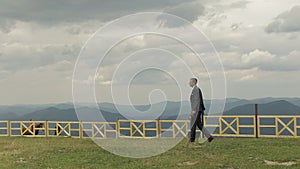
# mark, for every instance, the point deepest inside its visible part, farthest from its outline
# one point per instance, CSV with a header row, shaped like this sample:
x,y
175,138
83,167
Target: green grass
x,y
22,152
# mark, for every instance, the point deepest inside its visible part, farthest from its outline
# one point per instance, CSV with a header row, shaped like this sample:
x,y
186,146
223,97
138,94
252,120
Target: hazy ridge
x,y
66,111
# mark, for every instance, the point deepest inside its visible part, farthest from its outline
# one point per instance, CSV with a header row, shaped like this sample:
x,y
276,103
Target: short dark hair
x,y
194,79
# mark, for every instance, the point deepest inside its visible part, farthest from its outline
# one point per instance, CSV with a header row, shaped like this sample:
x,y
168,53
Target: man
x,y
30,123
198,108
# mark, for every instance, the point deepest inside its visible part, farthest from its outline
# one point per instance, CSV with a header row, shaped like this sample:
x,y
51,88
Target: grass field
x,y
22,152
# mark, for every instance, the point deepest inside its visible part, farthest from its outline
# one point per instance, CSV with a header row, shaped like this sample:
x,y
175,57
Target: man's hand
x,y
193,112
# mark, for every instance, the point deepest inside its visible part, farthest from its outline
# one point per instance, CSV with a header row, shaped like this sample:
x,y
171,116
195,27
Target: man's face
x,y
191,83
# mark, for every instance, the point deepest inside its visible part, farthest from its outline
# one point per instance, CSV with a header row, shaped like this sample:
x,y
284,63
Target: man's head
x,y
193,82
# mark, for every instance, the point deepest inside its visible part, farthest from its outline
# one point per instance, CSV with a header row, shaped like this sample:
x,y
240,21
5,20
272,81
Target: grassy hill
x,y
22,152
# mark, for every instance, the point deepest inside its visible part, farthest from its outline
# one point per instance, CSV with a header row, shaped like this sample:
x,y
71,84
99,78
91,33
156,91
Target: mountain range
x,y
161,110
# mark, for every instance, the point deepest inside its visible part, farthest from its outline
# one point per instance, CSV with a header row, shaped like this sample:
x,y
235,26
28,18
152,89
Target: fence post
x,y
8,128
117,128
158,128
295,127
256,121
46,128
80,129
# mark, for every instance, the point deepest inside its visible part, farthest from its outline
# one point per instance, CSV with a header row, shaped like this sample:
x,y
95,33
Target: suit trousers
x,y
197,121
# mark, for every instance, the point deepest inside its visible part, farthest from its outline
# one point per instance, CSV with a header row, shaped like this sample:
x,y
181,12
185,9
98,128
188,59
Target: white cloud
x,y
39,42
256,58
247,78
263,60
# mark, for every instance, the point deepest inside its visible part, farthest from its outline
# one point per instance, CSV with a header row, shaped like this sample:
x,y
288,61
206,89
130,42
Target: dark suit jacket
x,y
196,99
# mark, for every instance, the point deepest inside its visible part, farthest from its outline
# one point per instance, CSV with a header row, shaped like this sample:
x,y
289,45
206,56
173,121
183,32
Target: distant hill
x,y
20,109
280,107
51,113
170,109
163,110
8,116
55,114
295,101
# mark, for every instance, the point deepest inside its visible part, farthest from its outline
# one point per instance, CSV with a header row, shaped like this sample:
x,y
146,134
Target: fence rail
x,y
228,126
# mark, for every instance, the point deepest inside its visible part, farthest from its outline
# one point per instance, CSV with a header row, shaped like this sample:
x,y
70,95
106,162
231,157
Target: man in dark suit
x,y
198,108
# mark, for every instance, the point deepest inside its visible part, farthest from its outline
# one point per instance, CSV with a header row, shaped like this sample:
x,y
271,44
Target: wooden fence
x,y
222,126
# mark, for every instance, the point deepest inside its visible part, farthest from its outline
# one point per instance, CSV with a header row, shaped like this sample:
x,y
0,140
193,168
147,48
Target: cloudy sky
x,y
257,41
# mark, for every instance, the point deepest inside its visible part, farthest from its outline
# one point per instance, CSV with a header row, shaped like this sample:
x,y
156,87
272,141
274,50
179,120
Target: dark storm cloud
x,y
189,11
18,57
52,12
288,21
77,10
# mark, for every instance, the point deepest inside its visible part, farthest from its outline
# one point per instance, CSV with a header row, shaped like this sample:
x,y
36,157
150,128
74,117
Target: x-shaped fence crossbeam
x,y
63,129
137,129
27,128
179,129
228,125
98,130
285,126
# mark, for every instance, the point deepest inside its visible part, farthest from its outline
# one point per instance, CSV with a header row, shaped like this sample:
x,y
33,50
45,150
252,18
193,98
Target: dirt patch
x,y
289,163
10,153
10,149
21,160
10,146
187,163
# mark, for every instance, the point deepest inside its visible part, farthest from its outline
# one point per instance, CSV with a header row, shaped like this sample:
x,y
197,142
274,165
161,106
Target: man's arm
x,y
195,101
201,101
